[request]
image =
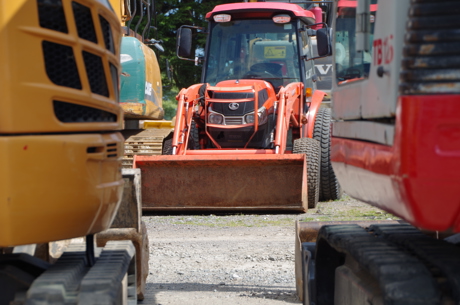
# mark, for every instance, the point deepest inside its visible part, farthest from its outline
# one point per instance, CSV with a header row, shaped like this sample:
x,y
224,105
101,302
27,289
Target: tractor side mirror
x,y
184,42
323,39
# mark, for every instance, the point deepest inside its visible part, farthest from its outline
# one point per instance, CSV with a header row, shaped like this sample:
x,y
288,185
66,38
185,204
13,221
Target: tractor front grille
x,y
233,120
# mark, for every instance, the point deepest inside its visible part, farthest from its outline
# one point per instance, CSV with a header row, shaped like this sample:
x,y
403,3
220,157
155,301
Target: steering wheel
x,y
267,69
258,74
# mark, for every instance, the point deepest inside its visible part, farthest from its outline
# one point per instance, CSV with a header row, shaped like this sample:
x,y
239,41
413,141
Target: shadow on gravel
x,y
280,293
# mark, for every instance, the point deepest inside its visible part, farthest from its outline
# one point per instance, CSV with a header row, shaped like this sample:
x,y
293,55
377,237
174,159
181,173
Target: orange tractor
x,y
243,138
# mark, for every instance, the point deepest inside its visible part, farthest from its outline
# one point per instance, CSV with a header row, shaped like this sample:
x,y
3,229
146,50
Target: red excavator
x,y
395,145
243,138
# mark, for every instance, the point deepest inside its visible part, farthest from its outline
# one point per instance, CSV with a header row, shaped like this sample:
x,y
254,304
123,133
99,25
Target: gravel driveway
x,y
232,259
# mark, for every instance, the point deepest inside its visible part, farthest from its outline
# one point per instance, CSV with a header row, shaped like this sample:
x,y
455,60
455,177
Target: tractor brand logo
x,y
233,106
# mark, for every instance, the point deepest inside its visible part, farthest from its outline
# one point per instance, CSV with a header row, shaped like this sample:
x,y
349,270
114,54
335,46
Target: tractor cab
x,y
253,49
264,47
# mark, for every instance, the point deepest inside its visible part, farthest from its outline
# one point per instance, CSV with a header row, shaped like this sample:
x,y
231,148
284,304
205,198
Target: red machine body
x,y
408,161
418,177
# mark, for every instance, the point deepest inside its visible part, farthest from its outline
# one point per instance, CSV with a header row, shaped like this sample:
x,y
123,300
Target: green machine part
x,y
141,89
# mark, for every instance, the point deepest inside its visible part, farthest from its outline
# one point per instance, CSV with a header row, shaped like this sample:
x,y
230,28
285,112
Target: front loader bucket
x,y
259,182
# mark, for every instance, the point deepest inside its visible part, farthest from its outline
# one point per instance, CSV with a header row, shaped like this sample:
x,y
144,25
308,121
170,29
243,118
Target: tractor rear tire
x,y
193,140
167,144
329,188
311,148
194,137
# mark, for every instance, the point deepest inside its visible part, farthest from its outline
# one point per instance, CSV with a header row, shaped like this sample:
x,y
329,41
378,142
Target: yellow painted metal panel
x,y
27,90
56,187
154,94
159,124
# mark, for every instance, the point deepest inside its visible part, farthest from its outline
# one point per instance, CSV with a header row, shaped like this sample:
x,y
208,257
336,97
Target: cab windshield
x,y
259,49
350,63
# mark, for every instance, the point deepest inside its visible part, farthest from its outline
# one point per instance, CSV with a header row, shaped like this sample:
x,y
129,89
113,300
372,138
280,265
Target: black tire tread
x,y
311,148
167,145
329,188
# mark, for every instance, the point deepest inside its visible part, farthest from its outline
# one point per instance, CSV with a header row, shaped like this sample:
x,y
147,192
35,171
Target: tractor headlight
x,y
262,113
215,118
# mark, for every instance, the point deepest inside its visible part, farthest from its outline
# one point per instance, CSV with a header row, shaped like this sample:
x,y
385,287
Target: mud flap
x,y
224,182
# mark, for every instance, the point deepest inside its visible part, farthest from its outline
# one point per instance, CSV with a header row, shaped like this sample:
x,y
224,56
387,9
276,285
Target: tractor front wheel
x,y
311,148
329,188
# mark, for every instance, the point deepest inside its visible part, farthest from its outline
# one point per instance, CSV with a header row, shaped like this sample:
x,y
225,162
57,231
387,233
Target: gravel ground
x,y
233,259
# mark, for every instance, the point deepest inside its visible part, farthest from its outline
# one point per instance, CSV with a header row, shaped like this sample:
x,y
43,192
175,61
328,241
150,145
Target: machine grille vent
x,y
60,65
112,150
430,59
95,73
84,22
73,113
107,34
223,108
233,95
51,15
233,120
61,62
115,81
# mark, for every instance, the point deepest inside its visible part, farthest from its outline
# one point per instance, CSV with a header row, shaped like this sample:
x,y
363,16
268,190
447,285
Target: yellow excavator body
x,y
59,155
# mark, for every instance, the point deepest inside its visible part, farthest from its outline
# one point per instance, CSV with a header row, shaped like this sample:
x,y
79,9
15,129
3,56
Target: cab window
x,y
351,64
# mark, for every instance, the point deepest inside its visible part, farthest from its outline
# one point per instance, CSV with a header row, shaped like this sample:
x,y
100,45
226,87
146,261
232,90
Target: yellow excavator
x,y
60,154
141,91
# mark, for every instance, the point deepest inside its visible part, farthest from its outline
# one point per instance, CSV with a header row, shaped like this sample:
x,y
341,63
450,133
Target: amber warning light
x,y
222,18
281,18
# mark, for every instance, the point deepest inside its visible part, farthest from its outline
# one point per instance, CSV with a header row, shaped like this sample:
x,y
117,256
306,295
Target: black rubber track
x,y
70,281
443,257
311,148
409,266
430,63
329,187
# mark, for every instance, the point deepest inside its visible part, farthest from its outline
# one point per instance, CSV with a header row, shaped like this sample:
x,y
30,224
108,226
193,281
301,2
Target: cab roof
x,y
257,10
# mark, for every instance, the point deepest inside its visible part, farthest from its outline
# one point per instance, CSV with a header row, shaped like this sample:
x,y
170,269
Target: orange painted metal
x,y
228,179
231,151
224,182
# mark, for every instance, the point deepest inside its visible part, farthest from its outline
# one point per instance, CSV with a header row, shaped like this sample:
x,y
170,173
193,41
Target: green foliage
x,y
170,15
169,102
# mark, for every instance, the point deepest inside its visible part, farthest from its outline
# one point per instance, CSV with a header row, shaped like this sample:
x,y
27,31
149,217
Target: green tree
x,y
170,15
